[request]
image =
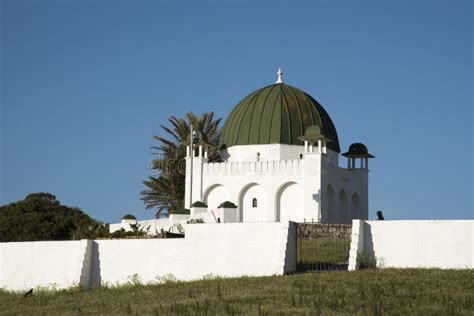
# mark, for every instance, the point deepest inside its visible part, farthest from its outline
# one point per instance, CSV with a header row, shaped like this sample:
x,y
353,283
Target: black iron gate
x,y
322,247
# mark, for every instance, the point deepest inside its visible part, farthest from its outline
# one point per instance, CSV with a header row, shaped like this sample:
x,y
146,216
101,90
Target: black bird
x,y
380,216
30,292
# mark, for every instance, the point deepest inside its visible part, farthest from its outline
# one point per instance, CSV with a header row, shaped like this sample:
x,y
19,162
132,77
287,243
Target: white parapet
x,y
446,244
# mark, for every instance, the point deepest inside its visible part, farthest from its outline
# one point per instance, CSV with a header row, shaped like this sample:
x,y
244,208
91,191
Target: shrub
x,y
166,279
121,233
366,261
180,228
40,216
195,221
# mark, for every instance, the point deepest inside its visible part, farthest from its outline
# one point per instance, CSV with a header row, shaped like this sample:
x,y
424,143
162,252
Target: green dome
x,y
278,113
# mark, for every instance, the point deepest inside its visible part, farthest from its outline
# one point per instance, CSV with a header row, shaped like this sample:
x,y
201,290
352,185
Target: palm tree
x,y
166,190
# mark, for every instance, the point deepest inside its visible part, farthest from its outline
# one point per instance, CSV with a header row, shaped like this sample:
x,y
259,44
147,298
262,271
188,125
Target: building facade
x,y
280,162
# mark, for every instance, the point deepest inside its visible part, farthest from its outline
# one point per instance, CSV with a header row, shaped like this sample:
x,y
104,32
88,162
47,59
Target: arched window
x,y
254,202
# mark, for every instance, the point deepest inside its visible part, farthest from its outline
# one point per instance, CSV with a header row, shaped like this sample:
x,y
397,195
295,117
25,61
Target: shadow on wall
x,y
290,253
368,248
95,266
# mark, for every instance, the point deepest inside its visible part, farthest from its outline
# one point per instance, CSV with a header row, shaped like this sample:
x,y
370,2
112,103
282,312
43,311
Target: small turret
x,y
313,137
358,151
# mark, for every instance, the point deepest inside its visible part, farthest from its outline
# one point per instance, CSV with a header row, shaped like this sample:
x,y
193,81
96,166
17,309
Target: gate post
x,y
357,243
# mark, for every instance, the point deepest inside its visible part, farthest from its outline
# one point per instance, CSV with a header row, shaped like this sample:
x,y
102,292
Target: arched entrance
x,y
331,205
215,195
343,213
356,210
290,203
253,204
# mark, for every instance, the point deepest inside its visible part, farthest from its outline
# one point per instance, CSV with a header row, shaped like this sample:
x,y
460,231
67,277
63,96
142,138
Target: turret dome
x,y
278,113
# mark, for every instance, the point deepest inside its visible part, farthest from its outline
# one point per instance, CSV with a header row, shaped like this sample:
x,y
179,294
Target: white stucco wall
x,y
353,183
263,152
52,264
229,250
215,196
290,203
263,171
415,243
220,249
239,181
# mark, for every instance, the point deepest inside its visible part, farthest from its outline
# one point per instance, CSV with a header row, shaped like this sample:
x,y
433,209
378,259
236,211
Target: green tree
x,y
40,216
165,191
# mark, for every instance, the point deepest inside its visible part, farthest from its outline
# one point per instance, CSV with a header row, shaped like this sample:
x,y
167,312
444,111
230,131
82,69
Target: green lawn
x,y
331,250
367,292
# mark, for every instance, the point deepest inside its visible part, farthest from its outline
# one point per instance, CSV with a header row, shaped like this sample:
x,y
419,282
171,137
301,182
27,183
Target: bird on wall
x,y
380,215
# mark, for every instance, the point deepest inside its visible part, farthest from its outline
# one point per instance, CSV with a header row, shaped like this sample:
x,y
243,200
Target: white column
x,y
305,146
310,147
324,146
187,151
200,151
205,152
320,148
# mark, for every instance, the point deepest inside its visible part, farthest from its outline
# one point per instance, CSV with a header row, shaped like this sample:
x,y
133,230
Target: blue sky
x,y
84,86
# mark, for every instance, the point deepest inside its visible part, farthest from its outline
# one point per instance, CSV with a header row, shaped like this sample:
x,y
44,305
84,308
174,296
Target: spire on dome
x,y
280,76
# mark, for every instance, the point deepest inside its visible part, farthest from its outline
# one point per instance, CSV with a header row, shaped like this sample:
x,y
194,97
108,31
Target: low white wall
x,y
228,250
415,243
59,264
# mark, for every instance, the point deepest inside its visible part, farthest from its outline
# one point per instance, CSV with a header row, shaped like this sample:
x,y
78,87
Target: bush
x,y
366,261
121,233
195,221
40,216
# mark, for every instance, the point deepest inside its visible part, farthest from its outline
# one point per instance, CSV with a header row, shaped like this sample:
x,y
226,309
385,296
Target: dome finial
x,y
280,76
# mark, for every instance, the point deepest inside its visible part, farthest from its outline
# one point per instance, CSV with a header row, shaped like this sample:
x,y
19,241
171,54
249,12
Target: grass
x,y
331,250
367,292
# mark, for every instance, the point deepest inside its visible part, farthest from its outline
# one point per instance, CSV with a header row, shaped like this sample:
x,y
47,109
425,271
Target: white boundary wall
x,y
228,250
414,243
52,264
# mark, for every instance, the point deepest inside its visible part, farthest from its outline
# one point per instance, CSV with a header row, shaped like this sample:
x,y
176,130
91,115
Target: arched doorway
x,y
355,203
343,213
215,195
331,213
253,204
290,203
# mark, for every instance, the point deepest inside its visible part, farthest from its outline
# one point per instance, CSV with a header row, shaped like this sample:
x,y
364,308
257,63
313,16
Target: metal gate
x,y
322,247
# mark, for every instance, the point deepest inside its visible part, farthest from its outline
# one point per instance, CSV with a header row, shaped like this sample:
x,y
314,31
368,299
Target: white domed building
x,y
280,153
280,162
